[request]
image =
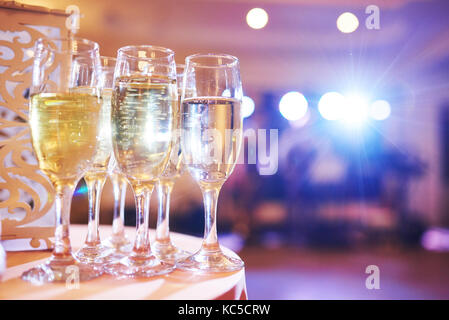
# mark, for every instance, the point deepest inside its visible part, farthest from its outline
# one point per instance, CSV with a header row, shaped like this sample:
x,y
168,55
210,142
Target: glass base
x,y
118,244
139,266
61,270
167,252
97,254
210,262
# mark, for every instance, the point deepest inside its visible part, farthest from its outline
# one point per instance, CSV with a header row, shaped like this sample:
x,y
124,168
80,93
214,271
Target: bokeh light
x,y
248,107
331,105
257,18
355,109
347,22
380,110
301,122
293,106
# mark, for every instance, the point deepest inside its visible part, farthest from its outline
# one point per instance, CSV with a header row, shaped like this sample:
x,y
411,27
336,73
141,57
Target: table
x,y
177,285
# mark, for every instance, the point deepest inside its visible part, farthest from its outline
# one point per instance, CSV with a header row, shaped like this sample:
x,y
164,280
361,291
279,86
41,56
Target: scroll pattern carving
x,y
26,195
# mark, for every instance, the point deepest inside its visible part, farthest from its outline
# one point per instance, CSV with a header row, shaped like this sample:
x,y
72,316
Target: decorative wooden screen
x,y
26,196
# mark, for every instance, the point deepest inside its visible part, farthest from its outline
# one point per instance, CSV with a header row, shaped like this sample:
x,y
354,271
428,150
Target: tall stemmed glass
x,y
211,123
143,105
118,240
163,247
64,117
93,251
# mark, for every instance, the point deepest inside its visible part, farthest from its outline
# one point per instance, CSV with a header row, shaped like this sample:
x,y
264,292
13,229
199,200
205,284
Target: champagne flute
x,y
64,116
143,105
118,240
93,251
163,247
211,138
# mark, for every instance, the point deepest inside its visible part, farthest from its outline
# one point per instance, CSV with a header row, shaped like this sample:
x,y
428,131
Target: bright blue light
x,y
355,109
380,110
248,106
293,106
331,105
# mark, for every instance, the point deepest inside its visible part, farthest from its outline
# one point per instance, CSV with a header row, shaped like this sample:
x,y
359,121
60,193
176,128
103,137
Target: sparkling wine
x,y
142,125
64,129
211,137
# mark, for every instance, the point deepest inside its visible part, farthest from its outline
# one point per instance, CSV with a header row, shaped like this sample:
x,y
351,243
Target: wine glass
x,y
64,118
93,251
211,138
143,106
118,240
163,247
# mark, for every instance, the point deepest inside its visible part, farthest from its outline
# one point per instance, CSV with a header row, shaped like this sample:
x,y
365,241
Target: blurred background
x,y
361,104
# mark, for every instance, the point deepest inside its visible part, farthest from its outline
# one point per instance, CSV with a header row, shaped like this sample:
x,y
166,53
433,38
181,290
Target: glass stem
x,y
210,197
63,201
142,241
118,222
94,187
164,189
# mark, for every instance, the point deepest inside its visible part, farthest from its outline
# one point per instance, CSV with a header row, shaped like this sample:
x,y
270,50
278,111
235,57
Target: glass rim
x,y
233,60
170,52
45,42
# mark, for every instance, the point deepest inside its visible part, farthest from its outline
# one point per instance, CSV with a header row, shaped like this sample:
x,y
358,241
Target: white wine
x,y
142,125
211,138
64,129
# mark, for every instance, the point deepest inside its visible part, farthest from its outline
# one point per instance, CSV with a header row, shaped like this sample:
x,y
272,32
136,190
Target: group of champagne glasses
x,y
140,119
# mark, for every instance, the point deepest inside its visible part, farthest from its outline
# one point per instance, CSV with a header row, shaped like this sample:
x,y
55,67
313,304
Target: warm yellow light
x,y
257,18
347,22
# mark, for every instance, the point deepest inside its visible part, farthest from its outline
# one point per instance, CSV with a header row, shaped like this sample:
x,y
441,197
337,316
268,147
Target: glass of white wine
x,y
93,251
163,247
211,138
143,106
64,118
